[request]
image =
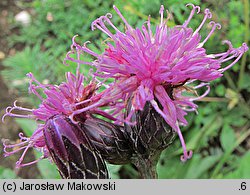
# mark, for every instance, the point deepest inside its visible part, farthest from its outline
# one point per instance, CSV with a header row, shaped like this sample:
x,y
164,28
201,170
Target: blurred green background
x,y
219,135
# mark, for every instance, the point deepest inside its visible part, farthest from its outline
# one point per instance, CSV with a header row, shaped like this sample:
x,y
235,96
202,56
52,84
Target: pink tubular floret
x,y
195,9
171,59
69,98
9,112
35,141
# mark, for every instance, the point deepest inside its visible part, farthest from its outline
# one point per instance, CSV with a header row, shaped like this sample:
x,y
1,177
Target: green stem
x,y
244,58
147,166
230,81
213,99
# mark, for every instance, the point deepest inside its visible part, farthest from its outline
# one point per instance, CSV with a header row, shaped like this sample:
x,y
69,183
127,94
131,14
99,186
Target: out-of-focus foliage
x,y
218,135
6,173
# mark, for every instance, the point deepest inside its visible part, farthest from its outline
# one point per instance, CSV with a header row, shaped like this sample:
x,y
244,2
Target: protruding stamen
x,y
186,154
10,109
214,26
21,144
18,163
33,79
21,108
161,12
149,29
9,153
22,137
77,47
240,52
208,14
234,52
74,43
84,48
33,88
107,19
102,83
200,85
87,108
188,109
98,23
75,60
190,81
228,43
234,55
223,55
157,108
123,19
169,16
195,9
82,102
24,145
203,95
77,68
103,26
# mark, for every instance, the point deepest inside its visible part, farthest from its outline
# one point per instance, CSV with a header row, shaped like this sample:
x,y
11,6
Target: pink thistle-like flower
x,y
66,99
159,67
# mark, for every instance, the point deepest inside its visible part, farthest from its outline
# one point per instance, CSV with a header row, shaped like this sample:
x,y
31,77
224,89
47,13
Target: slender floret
x,y
66,99
159,66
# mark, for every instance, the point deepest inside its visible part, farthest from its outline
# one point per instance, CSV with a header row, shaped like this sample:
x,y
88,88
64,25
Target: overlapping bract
x,y
72,151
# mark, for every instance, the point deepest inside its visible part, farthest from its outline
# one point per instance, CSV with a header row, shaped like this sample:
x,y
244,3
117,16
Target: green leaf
x,y
243,171
220,90
245,84
172,168
113,171
200,165
27,125
227,137
6,173
47,169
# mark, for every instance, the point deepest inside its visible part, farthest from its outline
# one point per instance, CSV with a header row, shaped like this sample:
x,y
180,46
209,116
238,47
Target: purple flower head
x,y
159,66
67,98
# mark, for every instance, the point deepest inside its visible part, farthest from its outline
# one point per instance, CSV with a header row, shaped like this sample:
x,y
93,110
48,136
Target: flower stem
x,y
147,167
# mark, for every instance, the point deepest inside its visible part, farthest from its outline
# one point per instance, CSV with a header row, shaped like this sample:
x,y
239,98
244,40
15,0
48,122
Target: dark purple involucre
x,y
72,151
109,139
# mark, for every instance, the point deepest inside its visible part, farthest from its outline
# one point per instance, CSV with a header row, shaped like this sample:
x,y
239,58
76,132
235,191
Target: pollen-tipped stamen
x,y
195,9
186,154
241,51
9,110
214,26
207,15
123,19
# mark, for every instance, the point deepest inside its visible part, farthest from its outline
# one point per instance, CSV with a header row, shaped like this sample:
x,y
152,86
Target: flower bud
x,y
108,139
72,151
